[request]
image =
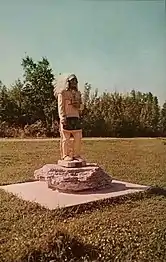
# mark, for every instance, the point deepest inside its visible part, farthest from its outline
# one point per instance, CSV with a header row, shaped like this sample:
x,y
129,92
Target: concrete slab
x,y
40,193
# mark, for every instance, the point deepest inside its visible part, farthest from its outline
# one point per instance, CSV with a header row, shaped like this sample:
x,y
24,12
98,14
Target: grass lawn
x,y
132,230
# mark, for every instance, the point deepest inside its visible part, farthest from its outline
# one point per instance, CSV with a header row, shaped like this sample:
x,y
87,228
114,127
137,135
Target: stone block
x,y
73,163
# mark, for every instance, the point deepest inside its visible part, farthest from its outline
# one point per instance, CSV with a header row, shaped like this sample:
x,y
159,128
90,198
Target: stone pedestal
x,y
74,179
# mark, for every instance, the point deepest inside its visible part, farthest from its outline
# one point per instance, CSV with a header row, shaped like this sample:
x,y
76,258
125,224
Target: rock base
x,y
90,177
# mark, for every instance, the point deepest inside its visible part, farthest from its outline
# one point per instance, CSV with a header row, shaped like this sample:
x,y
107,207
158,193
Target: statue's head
x,y
72,83
66,82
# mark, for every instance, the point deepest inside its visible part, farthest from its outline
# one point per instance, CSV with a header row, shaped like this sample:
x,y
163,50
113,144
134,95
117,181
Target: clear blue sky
x,y
114,45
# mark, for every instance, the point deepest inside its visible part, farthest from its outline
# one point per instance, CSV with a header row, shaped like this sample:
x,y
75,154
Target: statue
x,y
69,108
71,173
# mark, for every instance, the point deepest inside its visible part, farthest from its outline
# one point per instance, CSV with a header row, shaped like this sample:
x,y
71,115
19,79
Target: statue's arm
x,y
81,103
61,108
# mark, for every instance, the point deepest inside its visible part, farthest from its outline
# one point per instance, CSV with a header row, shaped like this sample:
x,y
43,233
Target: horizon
x,y
113,45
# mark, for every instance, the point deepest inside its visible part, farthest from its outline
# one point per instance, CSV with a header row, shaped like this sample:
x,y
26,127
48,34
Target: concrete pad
x,y
40,193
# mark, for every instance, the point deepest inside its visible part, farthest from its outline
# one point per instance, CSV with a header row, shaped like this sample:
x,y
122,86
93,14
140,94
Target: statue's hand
x,y
76,104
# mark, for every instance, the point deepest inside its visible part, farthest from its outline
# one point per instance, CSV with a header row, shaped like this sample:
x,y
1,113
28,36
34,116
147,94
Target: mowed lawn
x,y
133,230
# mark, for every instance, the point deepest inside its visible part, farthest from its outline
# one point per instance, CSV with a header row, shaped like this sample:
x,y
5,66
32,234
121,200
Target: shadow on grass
x,y
61,247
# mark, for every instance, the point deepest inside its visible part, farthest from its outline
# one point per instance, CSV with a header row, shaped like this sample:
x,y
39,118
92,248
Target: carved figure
x,y
69,107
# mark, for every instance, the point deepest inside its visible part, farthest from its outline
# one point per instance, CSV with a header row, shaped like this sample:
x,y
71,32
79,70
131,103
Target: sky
x,y
113,45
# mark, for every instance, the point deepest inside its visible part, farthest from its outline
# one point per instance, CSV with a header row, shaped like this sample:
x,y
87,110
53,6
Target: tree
x,y
163,119
39,100
16,95
8,107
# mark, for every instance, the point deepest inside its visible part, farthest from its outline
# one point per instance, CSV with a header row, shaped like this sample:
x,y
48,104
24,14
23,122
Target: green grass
x,y
133,229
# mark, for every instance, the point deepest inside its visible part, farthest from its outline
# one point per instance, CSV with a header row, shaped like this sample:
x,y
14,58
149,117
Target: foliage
x,y
108,114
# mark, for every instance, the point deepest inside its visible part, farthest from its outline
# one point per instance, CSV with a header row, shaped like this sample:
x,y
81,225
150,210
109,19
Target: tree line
x,y
28,108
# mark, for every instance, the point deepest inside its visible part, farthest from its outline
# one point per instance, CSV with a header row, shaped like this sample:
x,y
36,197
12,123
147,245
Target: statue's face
x,y
73,83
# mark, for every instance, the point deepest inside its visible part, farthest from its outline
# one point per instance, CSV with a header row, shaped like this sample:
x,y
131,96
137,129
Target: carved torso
x,y
69,103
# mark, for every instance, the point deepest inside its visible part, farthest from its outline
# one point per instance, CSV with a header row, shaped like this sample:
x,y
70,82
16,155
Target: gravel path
x,y
85,139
